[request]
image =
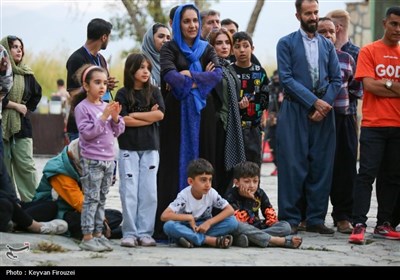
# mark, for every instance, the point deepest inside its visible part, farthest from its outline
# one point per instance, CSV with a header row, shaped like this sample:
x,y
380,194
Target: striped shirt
x,y
349,84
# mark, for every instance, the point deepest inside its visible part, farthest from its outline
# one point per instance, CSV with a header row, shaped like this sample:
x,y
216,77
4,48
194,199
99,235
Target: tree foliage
x,y
140,14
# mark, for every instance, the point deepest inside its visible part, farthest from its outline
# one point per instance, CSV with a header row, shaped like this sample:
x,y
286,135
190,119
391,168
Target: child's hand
x,y
204,227
192,222
155,107
246,192
116,110
244,103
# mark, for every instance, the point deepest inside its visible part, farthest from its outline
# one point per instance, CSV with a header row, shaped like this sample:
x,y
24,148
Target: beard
x,y
310,26
104,45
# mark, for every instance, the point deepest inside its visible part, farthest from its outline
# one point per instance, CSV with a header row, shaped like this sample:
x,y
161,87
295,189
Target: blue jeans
x,y
138,191
261,237
177,229
96,181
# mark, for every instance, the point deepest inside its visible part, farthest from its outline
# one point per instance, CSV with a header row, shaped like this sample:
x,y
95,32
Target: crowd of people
x,y
188,123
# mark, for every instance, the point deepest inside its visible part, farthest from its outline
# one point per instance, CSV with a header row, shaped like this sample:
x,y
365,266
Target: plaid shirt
x,y
349,84
353,50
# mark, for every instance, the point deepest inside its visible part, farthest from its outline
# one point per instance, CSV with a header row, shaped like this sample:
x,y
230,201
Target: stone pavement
x,y
316,250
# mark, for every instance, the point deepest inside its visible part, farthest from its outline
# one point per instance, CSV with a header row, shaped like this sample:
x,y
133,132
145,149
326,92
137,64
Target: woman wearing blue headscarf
x,y
190,67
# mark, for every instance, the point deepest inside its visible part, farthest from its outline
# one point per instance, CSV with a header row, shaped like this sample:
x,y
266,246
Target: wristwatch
x,y
388,84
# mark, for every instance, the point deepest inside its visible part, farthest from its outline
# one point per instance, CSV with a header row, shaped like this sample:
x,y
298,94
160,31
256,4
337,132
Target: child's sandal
x,y
289,242
220,241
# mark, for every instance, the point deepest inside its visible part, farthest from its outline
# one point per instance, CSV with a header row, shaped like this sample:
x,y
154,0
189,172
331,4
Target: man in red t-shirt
x,y
378,67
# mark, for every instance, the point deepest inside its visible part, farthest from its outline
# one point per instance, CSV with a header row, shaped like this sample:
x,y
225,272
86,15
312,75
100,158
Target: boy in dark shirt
x,y
253,93
247,198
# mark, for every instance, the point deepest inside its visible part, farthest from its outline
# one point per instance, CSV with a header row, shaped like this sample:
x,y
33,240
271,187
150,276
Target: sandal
x,y
289,242
220,242
185,243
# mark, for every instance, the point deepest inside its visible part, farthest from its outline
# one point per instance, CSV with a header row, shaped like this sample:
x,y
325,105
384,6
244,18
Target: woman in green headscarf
x,y
17,128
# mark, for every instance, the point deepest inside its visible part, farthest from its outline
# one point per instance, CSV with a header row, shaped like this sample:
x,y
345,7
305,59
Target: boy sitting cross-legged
x,y
247,198
189,219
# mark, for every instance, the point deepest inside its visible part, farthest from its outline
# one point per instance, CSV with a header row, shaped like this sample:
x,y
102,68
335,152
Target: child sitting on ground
x,y
189,219
246,197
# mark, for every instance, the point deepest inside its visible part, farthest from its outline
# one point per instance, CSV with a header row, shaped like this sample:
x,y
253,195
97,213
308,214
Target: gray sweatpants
x,y
261,237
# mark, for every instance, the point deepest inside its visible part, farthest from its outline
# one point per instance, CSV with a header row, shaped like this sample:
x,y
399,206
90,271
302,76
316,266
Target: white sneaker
x,y
56,226
105,242
129,242
147,241
92,245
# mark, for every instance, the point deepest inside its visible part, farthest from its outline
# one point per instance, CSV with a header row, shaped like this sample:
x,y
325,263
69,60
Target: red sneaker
x,y
358,234
386,231
275,172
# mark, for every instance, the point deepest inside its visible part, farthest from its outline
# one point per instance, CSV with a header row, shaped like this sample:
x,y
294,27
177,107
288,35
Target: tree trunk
x,y
254,17
136,17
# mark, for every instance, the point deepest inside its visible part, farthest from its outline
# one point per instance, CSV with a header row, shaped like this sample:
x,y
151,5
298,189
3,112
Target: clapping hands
x,y
113,109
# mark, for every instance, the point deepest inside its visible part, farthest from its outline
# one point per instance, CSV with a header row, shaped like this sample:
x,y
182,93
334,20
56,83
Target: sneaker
x,y
275,172
105,242
241,241
183,242
147,241
386,231
129,242
92,245
56,226
358,234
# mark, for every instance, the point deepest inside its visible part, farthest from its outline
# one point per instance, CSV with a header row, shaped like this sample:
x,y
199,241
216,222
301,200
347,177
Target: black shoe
x,y
321,229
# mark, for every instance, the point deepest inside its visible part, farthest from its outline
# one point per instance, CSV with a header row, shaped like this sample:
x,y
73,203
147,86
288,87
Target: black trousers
x,y
252,144
11,211
345,167
380,185
113,217
24,214
377,145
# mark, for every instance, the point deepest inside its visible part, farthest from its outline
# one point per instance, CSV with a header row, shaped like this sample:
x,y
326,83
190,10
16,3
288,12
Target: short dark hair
x,y
98,27
393,10
172,12
60,82
198,167
242,36
228,21
300,2
246,169
325,19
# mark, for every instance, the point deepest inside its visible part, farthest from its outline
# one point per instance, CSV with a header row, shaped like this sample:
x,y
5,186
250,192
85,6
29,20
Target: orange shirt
x,y
378,61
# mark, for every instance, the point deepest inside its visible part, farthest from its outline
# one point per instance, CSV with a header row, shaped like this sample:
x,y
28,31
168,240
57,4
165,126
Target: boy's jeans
x,y
177,229
261,237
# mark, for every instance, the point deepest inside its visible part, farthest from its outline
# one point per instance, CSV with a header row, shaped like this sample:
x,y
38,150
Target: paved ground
x,y
317,250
